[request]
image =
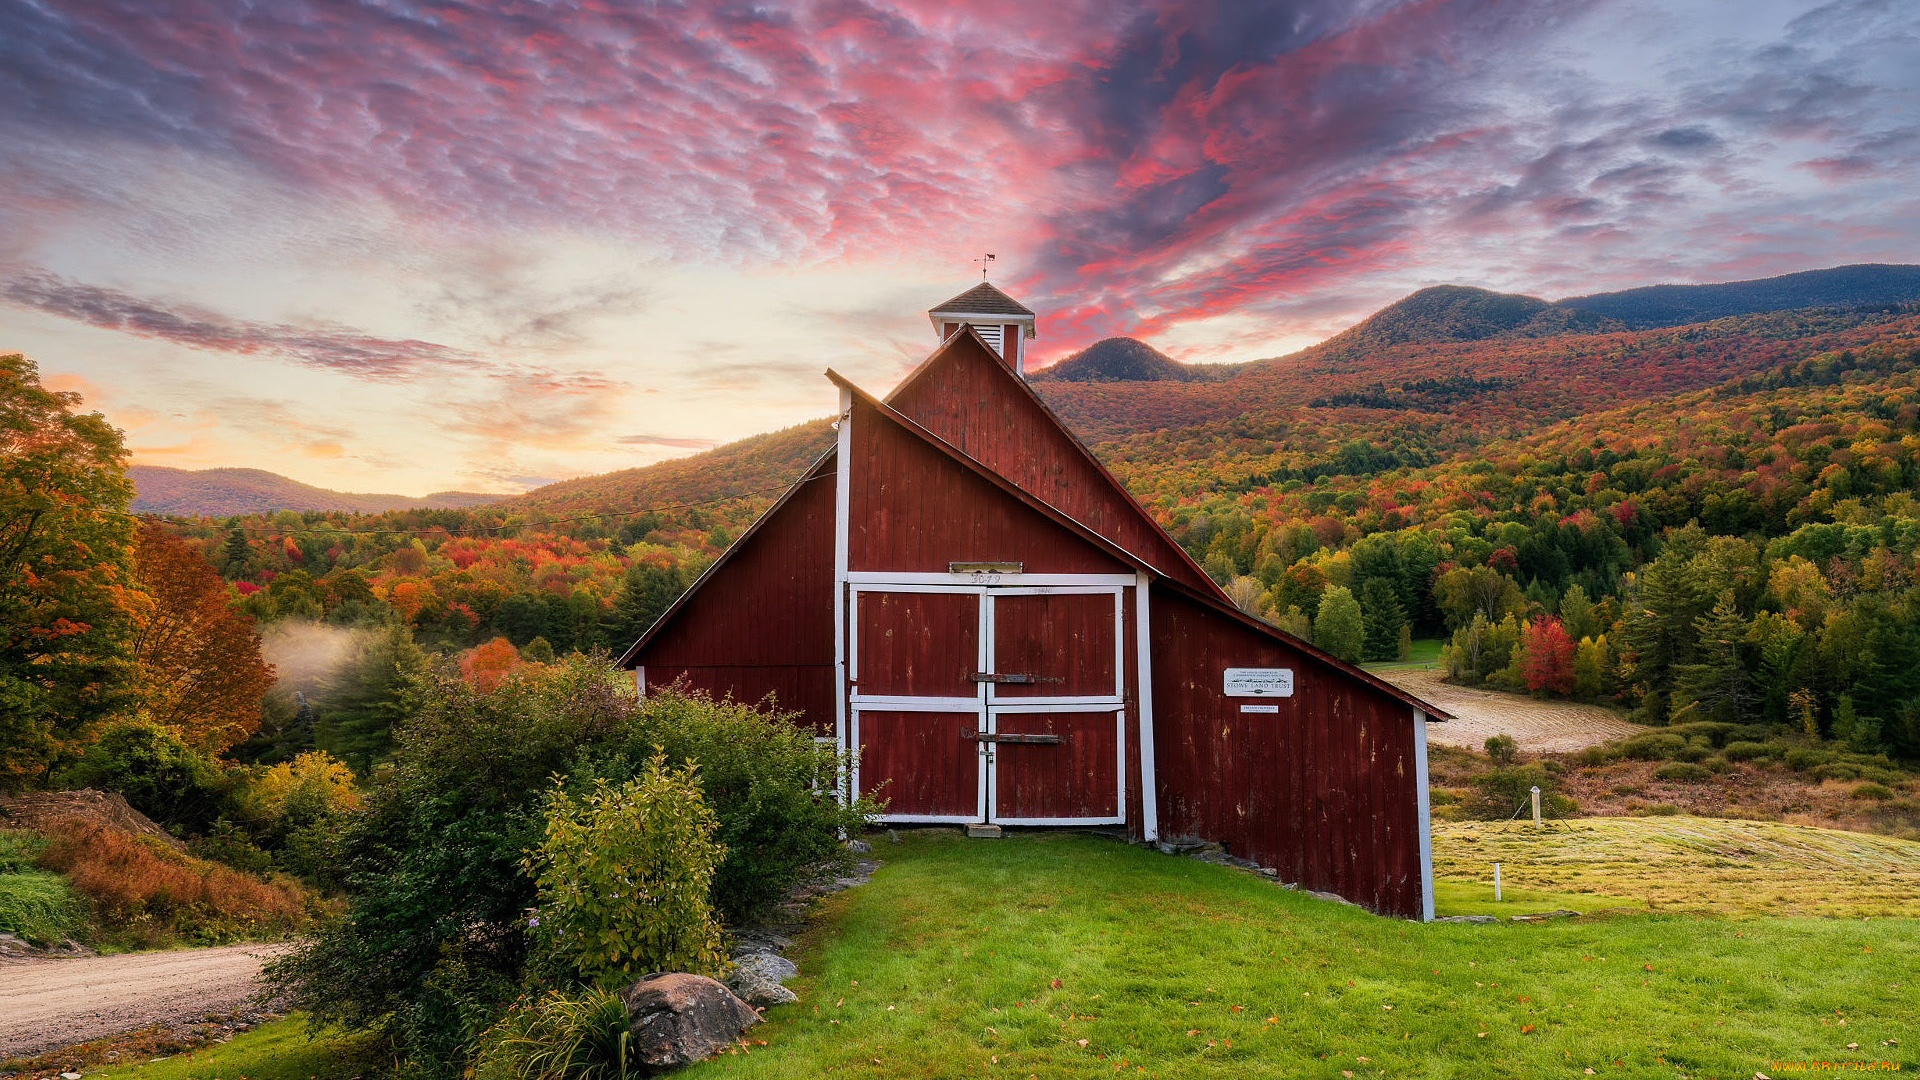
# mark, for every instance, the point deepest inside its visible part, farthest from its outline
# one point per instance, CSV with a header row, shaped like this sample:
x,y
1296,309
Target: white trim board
x,y
901,577
1143,678
1426,815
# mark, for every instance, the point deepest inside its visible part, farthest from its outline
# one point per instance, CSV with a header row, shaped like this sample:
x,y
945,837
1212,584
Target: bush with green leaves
x,y
1507,792
767,781
159,774
1684,771
625,877
433,944
1501,749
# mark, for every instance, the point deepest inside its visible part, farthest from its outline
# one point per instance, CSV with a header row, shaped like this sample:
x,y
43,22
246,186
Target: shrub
x,y
1502,792
1659,746
230,845
1656,810
1502,749
767,781
624,876
1751,751
20,850
148,893
1441,797
1595,756
1802,758
161,776
555,1037
1871,790
1686,771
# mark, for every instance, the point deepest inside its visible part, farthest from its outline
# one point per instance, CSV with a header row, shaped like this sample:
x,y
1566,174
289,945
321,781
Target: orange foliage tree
x,y
198,661
486,664
1547,657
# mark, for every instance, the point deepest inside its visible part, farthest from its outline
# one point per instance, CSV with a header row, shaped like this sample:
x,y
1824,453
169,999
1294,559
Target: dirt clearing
x,y
1540,727
46,1004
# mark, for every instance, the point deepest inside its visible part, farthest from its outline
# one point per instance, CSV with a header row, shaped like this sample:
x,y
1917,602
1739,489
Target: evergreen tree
x,y
367,695
1384,616
1720,684
644,596
236,555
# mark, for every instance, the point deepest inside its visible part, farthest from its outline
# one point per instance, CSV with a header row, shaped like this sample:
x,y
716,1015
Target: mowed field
x,y
1538,726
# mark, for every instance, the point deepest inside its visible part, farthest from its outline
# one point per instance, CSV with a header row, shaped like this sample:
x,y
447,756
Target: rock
x,y
1335,897
1468,918
679,1019
1563,913
1186,845
756,978
859,847
893,837
69,1076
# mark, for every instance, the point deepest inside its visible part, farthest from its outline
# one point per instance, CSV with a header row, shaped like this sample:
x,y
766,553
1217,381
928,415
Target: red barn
x,y
962,593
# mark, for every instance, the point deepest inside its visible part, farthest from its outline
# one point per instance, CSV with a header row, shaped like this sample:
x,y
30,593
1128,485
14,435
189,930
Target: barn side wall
x,y
969,398
763,622
1326,791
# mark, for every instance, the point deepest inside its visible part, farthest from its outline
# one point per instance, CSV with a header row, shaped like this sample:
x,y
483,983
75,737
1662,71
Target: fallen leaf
x,y
1646,967
1363,1059
1191,1032
1273,1019
1346,1072
1853,1046
1081,1042
1526,1029
1590,1072
1054,985
1481,1035
1389,1008
1236,1008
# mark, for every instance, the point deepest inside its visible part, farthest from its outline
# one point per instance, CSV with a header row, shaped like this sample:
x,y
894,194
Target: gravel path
x,y
1538,726
47,1004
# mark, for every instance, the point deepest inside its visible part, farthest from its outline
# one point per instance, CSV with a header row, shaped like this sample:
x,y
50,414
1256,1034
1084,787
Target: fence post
x,y
1536,806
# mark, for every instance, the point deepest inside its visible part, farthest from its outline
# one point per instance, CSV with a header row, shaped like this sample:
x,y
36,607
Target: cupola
x,y
1003,322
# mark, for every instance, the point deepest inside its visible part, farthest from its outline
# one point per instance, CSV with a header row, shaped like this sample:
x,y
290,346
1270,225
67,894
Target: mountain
x,y
1446,313
1125,359
1862,285
224,492
760,465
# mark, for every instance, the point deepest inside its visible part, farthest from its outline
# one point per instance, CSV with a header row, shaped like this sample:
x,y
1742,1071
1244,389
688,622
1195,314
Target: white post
x,y
1425,807
1496,883
1536,806
1143,687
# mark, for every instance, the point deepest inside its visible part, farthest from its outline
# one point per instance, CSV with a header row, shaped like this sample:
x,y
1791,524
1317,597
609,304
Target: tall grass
x,y
144,893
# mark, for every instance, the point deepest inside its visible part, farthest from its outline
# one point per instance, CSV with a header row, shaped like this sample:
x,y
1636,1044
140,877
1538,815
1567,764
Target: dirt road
x,y
1538,726
46,1004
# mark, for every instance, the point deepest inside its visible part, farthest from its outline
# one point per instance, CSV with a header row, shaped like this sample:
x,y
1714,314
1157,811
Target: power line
x,y
464,530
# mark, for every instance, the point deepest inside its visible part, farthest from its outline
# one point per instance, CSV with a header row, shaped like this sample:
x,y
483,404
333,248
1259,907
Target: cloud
x,y
326,348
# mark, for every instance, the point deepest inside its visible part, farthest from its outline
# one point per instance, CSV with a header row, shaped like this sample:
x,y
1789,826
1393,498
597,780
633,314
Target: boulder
x,y
756,978
679,1019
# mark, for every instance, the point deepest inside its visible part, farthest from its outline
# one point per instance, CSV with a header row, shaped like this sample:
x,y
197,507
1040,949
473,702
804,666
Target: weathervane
x,y
984,260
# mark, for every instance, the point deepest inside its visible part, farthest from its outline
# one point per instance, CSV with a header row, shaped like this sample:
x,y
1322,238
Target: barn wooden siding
x,y
1326,791
765,624
914,509
965,395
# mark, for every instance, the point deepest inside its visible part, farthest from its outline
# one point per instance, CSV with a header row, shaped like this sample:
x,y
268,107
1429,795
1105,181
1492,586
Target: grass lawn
x,y
276,1051
1062,955
1424,652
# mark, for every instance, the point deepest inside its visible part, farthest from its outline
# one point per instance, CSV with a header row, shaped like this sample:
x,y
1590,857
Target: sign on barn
x,y
962,594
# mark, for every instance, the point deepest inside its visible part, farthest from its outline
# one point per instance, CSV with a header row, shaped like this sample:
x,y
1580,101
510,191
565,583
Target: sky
x,y
412,247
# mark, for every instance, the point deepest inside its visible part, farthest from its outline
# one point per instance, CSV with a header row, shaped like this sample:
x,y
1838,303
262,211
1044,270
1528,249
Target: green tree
x,y
1384,617
236,554
360,703
65,561
1340,628
1720,684
650,587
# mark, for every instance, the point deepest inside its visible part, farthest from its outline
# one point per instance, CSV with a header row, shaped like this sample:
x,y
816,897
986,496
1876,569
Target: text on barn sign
x,y
1259,682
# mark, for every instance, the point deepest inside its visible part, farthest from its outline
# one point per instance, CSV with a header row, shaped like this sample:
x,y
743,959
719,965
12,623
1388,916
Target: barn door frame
x,y
855,703
1115,702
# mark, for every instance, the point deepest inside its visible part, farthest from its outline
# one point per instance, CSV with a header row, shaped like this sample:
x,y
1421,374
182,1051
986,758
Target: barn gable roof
x,y
822,468
1024,440
1008,487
